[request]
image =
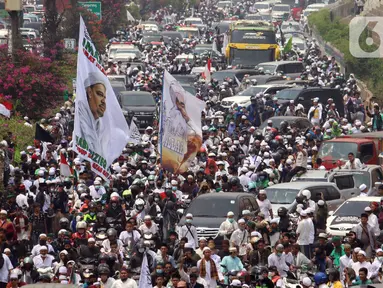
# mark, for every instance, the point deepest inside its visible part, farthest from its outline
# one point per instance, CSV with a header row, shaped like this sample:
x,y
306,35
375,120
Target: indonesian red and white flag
x,y
5,108
207,71
65,169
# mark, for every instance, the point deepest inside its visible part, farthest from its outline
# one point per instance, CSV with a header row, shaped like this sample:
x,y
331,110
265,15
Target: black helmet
x,y
103,269
299,199
234,181
111,232
101,215
103,257
282,211
64,221
92,205
333,274
283,124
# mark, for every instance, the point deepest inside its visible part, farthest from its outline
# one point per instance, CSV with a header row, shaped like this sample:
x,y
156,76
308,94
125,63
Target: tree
x,y
33,83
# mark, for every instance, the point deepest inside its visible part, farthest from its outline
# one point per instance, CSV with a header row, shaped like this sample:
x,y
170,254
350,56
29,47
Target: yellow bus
x,y
251,42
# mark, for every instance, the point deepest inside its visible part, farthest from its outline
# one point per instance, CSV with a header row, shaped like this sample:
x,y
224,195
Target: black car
x,y
298,122
210,210
233,73
305,95
142,104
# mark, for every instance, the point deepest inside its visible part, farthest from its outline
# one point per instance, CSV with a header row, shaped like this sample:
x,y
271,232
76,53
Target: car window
x,y
366,152
274,90
290,68
332,194
248,204
316,193
242,205
281,68
376,176
344,182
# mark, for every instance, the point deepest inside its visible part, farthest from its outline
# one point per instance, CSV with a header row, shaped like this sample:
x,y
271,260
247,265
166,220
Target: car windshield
x,y
250,58
352,208
137,100
253,90
214,209
308,179
281,8
261,6
360,177
223,4
281,195
336,150
153,38
300,45
189,33
221,75
126,51
193,22
287,94
270,68
253,37
202,49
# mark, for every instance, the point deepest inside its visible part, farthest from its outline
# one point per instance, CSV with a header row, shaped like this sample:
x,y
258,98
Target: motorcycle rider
x,y
27,272
284,219
115,210
138,211
90,250
105,280
81,236
112,237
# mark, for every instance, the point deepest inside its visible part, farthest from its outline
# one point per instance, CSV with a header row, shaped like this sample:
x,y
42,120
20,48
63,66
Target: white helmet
x,y
81,225
306,193
139,202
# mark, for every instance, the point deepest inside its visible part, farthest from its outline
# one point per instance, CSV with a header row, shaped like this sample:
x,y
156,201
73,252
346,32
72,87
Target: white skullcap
x,y
63,269
91,240
303,213
241,221
367,209
321,202
206,249
94,78
7,250
230,213
263,192
43,248
357,249
269,121
362,252
3,212
255,234
362,187
307,281
189,215
174,182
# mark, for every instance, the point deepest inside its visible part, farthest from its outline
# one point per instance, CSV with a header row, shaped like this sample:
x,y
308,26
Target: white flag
x,y
180,130
135,135
145,277
100,129
225,43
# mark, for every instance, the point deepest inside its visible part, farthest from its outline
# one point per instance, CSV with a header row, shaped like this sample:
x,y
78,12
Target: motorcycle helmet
x,y
139,203
103,269
28,260
81,225
282,211
111,232
64,222
333,274
306,193
234,181
100,215
103,258
320,278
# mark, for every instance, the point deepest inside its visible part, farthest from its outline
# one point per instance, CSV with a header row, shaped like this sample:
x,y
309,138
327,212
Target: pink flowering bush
x,y
32,83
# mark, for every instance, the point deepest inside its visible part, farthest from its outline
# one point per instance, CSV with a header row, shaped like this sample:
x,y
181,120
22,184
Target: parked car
x,y
284,194
347,216
210,210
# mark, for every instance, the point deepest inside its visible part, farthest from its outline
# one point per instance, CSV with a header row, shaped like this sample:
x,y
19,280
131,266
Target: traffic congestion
x,y
277,181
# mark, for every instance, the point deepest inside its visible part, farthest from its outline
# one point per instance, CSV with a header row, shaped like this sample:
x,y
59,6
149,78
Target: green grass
x,y
369,70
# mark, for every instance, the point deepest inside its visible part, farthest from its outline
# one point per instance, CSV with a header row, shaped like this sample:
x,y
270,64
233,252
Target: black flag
x,y
42,134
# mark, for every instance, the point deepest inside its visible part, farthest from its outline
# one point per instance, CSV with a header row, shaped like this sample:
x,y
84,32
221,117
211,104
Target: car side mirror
x,y
330,213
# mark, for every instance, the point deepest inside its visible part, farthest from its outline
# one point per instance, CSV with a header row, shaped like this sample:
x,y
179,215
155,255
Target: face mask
x,y
380,258
92,213
279,254
271,274
97,187
174,188
231,220
114,204
159,271
188,221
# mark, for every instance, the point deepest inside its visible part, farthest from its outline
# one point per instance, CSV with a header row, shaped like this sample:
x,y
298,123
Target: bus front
x,y
250,46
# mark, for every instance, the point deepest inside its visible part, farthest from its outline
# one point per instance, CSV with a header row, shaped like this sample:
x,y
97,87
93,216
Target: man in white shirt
x,y
207,268
44,259
304,230
353,163
130,236
315,113
240,238
96,190
228,226
278,259
372,221
22,199
264,205
124,281
377,264
361,263
189,231
148,226
42,242
345,260
5,270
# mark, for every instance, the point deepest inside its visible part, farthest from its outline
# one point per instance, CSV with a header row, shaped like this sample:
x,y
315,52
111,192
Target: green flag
x,y
288,46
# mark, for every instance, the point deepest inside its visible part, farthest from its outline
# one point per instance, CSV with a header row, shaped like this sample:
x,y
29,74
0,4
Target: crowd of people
x,y
85,231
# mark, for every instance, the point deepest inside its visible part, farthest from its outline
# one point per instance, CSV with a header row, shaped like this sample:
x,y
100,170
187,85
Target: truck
x,y
365,146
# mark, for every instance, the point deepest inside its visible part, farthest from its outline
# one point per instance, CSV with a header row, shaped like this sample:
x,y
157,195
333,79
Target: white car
x,y
243,97
263,7
282,11
347,216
